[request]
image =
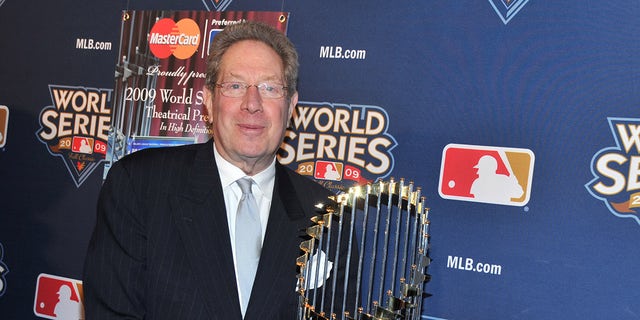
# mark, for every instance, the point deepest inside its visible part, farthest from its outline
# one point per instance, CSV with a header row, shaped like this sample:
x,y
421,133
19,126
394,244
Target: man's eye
x,y
235,86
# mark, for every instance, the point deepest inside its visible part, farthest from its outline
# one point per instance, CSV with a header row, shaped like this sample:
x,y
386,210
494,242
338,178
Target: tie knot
x,y
245,185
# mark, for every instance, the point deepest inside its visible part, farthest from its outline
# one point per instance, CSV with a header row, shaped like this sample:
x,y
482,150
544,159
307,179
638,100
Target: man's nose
x,y
253,100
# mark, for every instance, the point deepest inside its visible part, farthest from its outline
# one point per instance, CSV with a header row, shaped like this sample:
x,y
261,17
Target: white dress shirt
x,y
262,191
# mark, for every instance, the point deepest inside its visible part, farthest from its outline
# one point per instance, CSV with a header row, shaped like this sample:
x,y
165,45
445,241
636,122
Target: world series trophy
x,y
382,231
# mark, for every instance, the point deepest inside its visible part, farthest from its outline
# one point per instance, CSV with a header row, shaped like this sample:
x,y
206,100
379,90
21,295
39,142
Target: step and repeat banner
x,y
519,119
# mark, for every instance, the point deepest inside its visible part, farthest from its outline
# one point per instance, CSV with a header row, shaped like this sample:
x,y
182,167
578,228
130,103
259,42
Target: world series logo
x,y
218,5
507,9
76,127
3,271
616,170
339,145
496,175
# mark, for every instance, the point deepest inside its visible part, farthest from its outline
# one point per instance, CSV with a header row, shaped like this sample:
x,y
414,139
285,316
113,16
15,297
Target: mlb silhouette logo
x,y
486,174
82,145
58,298
328,170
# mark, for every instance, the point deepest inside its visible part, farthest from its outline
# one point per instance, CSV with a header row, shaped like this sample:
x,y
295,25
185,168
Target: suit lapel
x,y
202,222
201,219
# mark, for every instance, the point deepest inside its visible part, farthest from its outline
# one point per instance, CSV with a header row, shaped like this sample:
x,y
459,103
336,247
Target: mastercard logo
x,y
180,39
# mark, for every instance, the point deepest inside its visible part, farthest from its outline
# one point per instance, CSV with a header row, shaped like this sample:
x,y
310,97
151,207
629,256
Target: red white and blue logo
x,y
58,298
486,174
616,170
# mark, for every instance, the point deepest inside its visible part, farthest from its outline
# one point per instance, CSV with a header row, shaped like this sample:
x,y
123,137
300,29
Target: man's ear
x,y
208,102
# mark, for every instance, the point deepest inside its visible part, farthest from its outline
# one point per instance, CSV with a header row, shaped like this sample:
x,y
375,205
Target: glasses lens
x,y
271,91
233,89
239,89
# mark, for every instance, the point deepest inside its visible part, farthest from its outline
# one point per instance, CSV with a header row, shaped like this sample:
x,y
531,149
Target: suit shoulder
x,y
158,164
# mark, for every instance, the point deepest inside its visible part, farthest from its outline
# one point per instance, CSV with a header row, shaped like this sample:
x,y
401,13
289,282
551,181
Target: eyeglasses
x,y
239,89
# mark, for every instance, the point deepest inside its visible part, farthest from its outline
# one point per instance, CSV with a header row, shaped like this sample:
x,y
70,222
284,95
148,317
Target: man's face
x,y
248,130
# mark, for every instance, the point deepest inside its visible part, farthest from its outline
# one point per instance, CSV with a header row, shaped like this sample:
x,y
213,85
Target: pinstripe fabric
x,y
161,247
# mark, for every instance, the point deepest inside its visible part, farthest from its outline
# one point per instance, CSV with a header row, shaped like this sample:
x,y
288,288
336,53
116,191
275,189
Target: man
x,y
165,245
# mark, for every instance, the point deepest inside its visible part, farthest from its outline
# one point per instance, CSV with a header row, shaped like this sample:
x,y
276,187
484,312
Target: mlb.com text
x,y
468,264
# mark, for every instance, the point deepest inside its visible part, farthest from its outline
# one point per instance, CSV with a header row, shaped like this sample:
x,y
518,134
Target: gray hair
x,y
251,30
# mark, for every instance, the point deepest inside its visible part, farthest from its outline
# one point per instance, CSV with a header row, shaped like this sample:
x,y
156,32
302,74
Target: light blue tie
x,y
248,241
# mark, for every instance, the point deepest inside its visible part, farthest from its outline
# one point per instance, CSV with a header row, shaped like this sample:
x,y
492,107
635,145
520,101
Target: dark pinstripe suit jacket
x,y
161,247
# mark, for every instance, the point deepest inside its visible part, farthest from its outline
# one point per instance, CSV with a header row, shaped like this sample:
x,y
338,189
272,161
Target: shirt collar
x,y
230,173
